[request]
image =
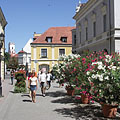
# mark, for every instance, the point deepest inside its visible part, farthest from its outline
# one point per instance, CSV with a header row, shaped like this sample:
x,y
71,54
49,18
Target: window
x,y
74,39
80,36
49,39
104,23
94,29
43,53
61,52
86,29
64,39
29,59
20,60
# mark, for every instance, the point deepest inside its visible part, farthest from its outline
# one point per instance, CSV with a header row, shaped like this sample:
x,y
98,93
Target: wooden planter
x,y
84,99
109,111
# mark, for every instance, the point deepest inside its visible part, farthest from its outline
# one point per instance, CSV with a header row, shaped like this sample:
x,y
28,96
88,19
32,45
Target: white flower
x,y
108,58
98,63
118,68
107,78
114,68
100,67
93,76
88,72
101,77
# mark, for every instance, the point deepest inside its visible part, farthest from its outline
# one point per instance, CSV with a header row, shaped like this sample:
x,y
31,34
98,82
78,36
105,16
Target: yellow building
x,y
49,46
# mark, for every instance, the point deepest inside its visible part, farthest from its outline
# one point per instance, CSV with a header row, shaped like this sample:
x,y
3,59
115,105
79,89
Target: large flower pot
x,y
109,110
85,99
70,92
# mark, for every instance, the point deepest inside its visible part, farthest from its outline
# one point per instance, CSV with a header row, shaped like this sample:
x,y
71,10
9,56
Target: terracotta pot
x,y
70,92
109,110
84,99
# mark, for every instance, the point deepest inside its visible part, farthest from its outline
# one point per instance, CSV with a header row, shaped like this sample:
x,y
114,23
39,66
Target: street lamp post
x,y
1,44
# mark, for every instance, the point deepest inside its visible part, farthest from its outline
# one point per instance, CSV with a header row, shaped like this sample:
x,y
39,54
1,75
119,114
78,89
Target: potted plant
x,y
66,71
70,90
105,75
20,85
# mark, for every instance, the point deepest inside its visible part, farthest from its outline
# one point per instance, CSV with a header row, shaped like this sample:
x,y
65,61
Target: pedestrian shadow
x,y
88,112
25,95
27,100
38,94
56,94
12,92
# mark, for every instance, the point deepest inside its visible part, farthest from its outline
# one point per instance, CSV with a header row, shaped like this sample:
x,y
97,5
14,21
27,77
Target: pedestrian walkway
x,y
55,106
6,87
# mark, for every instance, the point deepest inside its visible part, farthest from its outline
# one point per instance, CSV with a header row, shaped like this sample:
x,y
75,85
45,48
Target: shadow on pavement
x,y
27,100
25,95
81,111
67,100
12,92
55,94
89,112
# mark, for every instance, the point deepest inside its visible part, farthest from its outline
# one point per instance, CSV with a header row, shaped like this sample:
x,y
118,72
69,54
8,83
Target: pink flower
x,y
83,59
74,69
100,57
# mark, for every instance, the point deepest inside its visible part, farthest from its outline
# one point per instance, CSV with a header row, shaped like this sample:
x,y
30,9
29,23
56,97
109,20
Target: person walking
x,y
33,86
29,77
49,76
43,82
33,71
12,76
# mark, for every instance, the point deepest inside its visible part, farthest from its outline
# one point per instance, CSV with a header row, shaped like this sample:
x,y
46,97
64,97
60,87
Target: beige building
x,y
48,47
97,26
3,23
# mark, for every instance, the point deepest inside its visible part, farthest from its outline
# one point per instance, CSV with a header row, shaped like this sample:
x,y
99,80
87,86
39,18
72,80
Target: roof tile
x,y
56,33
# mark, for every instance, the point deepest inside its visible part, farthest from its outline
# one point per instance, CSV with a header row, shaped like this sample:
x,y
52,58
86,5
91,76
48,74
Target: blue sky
x,y
25,17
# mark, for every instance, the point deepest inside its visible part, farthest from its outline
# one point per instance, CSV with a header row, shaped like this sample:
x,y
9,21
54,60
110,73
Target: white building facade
x,y
22,55
27,49
97,26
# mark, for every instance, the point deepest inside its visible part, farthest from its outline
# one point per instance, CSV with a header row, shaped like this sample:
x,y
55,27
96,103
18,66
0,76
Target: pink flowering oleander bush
x,y
96,75
20,85
105,76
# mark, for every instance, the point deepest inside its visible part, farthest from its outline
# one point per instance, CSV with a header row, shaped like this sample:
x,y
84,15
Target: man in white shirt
x,y
43,82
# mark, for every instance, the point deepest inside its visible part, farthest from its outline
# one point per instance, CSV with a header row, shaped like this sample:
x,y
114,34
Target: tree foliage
x,y
13,63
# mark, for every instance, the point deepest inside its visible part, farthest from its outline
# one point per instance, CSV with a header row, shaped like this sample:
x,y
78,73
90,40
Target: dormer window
x,y
64,39
49,39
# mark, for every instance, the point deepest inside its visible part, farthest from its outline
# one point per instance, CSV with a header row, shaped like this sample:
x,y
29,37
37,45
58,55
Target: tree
x,y
13,63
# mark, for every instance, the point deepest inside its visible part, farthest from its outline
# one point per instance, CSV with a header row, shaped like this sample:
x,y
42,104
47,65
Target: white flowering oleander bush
x,y
105,75
65,68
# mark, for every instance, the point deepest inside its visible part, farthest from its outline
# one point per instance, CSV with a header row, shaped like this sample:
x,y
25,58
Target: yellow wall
x,y
68,50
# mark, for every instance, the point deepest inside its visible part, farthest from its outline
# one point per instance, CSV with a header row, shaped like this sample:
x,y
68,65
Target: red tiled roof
x,y
56,33
21,51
